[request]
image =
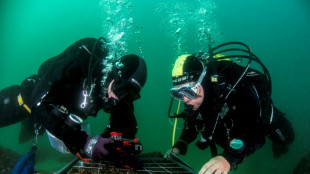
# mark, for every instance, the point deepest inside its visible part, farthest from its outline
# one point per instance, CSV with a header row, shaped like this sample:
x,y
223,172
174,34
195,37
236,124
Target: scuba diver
x,y
229,104
72,86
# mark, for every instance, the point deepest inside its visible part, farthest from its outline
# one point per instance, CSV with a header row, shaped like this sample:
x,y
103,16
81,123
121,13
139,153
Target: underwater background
x,y
31,31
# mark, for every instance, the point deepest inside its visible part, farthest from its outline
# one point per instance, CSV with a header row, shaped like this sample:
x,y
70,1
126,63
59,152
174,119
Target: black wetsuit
x,y
245,115
57,91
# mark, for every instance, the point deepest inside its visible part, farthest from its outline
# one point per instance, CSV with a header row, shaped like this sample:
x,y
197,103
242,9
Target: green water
x,y
277,31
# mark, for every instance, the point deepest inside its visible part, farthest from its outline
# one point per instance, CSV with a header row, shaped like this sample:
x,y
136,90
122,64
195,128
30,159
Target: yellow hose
x,y
175,124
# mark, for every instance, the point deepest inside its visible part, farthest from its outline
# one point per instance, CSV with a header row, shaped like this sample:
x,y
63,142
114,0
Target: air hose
x,y
175,124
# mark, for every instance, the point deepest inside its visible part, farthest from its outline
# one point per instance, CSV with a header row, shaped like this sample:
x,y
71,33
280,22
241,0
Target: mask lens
x,y
179,93
175,94
189,92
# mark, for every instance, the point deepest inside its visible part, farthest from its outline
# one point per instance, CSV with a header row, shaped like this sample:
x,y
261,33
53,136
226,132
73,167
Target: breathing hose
x,y
175,124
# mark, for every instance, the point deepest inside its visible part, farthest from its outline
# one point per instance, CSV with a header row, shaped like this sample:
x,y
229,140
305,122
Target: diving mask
x,y
188,90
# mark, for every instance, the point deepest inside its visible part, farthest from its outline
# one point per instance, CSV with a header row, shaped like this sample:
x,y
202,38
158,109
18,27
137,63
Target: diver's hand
x,y
216,165
94,147
174,150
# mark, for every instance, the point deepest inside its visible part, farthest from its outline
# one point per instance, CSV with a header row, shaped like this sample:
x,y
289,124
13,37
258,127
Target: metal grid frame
x,y
151,165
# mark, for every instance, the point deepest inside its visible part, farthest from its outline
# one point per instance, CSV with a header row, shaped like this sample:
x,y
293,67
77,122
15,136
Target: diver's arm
x,y
253,140
251,144
122,120
249,125
188,135
54,121
253,135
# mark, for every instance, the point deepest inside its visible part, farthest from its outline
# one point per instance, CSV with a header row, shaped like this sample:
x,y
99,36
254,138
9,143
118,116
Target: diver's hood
x,y
128,82
130,78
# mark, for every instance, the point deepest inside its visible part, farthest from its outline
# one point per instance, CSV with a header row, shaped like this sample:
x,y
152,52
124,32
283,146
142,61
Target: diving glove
x,y
94,147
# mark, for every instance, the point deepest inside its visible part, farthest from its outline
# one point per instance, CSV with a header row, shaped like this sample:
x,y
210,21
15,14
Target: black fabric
x,y
138,78
122,120
49,116
10,111
187,78
182,146
26,88
62,65
124,90
281,132
62,77
131,63
192,69
67,90
66,76
69,93
280,126
243,120
71,64
61,83
131,77
192,64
